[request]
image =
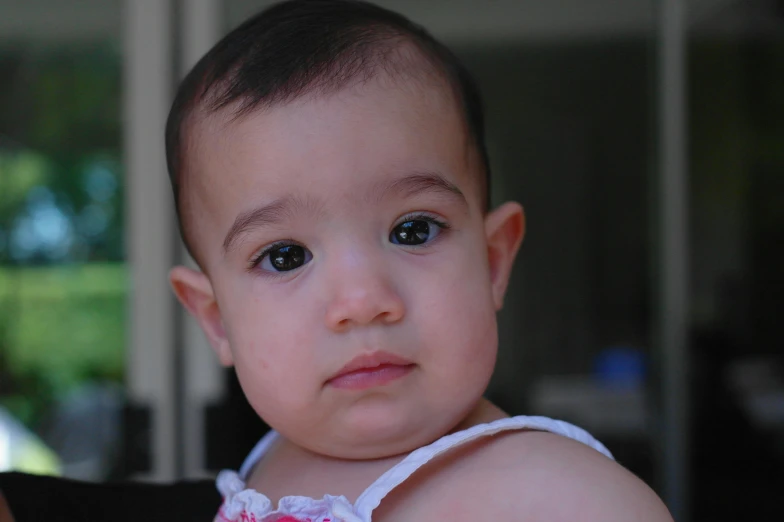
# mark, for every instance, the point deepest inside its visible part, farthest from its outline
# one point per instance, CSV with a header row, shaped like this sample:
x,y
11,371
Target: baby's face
x,y
342,226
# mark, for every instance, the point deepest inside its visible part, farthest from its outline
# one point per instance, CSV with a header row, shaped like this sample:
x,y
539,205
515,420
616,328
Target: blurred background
x,y
644,137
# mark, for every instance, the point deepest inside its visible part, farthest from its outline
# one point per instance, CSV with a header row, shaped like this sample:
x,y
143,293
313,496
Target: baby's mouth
x,y
371,370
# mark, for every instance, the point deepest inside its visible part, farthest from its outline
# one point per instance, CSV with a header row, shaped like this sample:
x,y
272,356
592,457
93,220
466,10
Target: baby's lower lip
x,y
371,377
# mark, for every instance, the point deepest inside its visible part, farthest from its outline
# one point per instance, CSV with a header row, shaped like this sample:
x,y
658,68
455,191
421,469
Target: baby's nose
x,y
361,298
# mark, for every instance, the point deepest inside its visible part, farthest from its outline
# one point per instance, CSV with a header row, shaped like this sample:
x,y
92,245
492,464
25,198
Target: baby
x,y
331,179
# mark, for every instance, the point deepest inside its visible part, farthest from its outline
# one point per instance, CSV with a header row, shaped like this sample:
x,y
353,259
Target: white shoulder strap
x,y
372,496
258,451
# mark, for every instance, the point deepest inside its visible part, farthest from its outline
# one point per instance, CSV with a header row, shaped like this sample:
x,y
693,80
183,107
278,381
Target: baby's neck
x,y
484,412
288,469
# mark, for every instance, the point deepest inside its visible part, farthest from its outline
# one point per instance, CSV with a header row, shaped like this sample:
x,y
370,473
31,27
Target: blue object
x,y
620,366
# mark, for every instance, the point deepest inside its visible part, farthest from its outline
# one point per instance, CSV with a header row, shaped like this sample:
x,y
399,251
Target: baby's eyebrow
x,y
282,208
419,182
265,215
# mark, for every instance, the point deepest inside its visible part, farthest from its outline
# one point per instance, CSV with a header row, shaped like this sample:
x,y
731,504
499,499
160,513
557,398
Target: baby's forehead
x,y
399,118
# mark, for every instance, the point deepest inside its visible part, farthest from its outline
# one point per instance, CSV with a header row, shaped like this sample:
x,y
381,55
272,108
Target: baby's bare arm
x,y
551,478
532,476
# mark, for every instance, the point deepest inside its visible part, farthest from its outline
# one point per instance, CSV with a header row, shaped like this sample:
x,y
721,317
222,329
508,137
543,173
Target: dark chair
x,y
36,498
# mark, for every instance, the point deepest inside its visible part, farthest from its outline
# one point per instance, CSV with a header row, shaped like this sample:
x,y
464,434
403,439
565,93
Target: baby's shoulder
x,y
551,477
533,476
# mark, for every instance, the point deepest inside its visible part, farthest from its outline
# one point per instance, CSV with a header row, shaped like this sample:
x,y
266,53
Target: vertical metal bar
x,y
150,226
673,254
201,25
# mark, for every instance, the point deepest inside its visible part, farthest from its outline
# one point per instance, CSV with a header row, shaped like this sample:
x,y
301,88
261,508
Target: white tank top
x,y
247,505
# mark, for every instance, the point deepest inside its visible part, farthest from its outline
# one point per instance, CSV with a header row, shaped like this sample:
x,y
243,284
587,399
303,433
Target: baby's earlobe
x,y
223,351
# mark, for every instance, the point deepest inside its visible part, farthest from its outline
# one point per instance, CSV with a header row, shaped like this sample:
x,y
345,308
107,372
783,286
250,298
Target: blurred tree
x,y
60,133
61,202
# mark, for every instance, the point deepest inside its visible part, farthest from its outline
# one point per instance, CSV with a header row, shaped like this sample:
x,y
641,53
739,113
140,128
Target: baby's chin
x,y
370,434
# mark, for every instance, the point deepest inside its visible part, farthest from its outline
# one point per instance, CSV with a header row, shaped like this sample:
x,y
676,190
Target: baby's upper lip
x,y
371,360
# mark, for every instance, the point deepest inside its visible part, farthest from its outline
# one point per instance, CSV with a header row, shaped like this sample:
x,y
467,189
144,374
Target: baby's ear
x,y
195,292
504,229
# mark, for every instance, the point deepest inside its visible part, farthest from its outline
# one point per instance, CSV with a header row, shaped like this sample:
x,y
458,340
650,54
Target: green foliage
x,y
62,325
19,173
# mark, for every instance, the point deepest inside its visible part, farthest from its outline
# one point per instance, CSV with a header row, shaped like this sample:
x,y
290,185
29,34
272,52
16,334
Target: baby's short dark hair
x,y
300,47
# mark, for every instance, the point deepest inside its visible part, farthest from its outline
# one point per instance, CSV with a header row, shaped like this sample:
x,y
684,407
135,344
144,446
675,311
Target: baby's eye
x,y
415,232
284,258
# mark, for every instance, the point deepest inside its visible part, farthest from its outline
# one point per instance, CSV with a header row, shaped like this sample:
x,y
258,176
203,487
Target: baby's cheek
x,y
468,315
469,337
273,394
